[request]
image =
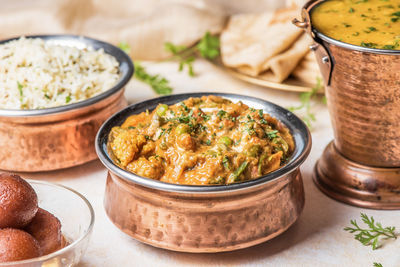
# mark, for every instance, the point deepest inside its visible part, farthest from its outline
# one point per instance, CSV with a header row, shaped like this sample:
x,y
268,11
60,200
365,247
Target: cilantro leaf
x,y
372,235
208,46
159,84
306,100
124,46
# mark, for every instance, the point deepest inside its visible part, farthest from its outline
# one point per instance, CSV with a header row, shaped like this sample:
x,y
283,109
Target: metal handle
x,y
300,24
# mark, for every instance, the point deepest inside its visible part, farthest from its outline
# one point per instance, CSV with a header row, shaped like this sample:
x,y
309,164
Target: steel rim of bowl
x,y
347,45
125,67
70,246
297,158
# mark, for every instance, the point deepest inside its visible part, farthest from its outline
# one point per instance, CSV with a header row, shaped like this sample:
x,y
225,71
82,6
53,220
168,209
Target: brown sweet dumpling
x,y
17,245
18,201
46,229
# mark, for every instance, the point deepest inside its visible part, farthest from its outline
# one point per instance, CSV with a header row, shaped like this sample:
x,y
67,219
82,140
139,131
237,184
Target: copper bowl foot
x,y
356,184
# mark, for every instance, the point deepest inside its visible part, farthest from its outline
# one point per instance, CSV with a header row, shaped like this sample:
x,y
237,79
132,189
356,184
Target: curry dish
x,y
368,23
201,141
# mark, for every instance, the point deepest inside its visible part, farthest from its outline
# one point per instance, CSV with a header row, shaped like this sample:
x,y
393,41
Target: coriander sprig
x,y
207,47
306,100
372,235
159,84
377,264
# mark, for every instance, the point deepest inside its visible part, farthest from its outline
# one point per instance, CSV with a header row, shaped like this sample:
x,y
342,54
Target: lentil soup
x,y
367,23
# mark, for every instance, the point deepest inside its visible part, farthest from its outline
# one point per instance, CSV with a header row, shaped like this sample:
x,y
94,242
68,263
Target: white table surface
x,y
316,239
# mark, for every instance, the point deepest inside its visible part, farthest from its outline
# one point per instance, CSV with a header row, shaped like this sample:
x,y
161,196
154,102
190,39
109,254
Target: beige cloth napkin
x,y
145,24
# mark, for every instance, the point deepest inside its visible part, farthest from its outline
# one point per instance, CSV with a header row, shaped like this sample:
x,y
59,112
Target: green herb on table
x,y
124,46
306,100
207,47
159,84
376,264
373,234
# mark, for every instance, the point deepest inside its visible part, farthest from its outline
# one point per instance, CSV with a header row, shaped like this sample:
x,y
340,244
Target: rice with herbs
x,y
35,74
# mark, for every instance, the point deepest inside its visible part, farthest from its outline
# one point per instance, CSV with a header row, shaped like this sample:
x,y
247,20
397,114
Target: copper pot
x,y
362,89
205,218
60,137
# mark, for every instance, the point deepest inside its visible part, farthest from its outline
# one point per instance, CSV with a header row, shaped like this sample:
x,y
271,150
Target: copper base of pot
x,y
205,222
356,184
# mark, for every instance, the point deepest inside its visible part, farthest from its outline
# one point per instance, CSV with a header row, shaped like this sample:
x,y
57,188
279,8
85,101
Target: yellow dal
x,y
368,23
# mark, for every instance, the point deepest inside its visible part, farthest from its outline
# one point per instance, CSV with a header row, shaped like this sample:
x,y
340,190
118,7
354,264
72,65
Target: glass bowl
x,y
77,218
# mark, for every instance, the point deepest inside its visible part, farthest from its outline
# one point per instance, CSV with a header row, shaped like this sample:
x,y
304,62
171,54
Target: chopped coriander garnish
x,y
368,45
272,134
221,113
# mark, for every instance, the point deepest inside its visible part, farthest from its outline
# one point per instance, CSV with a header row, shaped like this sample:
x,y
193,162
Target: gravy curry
x,y
201,141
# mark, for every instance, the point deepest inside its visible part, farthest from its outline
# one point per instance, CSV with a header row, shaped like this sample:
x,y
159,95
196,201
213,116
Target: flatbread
x,y
251,40
308,69
282,65
297,3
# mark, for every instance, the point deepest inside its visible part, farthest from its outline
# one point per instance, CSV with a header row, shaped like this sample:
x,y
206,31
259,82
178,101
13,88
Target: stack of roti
x,y
268,46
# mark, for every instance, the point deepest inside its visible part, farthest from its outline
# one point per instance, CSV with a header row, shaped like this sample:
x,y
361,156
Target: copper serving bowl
x,y
362,165
213,218
61,137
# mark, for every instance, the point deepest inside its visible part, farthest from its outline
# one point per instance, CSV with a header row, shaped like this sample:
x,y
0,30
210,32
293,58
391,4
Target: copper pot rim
x,y
297,127
315,34
126,68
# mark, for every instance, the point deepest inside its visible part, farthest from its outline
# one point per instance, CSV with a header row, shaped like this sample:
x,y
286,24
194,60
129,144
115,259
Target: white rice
x,y
35,75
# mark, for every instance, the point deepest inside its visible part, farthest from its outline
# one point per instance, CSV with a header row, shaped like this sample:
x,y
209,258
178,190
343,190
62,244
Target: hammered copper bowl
x,y
61,137
205,218
362,165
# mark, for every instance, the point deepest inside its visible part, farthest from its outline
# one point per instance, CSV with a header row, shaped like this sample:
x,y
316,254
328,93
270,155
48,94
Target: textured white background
x,y
317,239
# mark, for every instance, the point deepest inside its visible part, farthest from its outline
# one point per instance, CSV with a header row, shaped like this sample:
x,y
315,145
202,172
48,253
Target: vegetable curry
x,y
201,141
368,23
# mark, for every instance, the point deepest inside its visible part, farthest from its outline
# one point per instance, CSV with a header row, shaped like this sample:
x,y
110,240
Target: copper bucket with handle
x,y
362,165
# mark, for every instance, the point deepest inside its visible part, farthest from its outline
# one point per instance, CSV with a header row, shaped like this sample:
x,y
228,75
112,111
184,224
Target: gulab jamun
x,y
17,245
46,229
18,201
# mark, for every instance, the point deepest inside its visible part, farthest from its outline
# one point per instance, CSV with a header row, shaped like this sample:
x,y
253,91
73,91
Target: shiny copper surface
x,y
63,136
364,103
205,222
362,89
56,141
209,218
357,184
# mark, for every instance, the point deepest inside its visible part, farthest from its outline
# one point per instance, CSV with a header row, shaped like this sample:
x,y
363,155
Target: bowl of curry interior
x,y
55,92
357,46
203,172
